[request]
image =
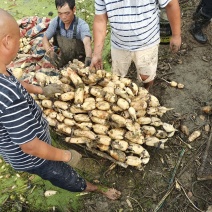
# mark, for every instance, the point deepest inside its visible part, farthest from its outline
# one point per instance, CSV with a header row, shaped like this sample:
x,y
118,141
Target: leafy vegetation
x,y
20,190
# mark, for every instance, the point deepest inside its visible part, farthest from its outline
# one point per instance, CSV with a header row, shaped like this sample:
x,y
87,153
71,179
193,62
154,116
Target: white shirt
x,y
134,23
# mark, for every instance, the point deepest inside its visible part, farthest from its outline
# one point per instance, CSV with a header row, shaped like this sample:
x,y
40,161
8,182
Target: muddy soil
x,y
143,190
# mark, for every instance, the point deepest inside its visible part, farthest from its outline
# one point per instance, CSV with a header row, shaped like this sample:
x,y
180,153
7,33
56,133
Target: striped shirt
x,y
82,29
20,122
134,23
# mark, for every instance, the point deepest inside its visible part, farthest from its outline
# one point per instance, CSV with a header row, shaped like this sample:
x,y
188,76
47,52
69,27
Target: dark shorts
x,y
207,7
61,175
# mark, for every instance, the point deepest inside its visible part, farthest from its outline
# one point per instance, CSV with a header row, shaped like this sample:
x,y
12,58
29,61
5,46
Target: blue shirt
x,y
21,121
82,29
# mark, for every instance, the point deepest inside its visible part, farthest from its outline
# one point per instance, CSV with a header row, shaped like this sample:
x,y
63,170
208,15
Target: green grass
x,y
23,8
18,189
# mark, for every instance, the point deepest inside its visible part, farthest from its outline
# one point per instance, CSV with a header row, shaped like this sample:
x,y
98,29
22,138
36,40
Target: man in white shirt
x,y
135,34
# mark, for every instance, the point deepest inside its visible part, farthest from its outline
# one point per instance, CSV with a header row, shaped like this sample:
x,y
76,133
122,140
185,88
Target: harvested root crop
x,y
194,135
107,113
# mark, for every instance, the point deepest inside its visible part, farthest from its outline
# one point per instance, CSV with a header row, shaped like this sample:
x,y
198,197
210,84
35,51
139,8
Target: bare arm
x,y
32,88
87,45
46,44
43,150
173,13
99,33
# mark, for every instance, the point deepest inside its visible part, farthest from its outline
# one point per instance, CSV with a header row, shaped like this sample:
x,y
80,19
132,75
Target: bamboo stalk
x,y
176,167
204,160
171,182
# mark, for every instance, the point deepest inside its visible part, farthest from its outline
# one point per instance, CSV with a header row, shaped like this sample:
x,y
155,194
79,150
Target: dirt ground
x,y
179,162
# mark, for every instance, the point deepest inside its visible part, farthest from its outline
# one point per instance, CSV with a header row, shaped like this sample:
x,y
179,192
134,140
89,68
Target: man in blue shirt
x,y
70,33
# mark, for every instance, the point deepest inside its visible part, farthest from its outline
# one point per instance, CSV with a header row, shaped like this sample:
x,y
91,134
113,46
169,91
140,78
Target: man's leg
x,y
146,63
199,6
207,8
110,193
148,84
64,176
121,60
202,18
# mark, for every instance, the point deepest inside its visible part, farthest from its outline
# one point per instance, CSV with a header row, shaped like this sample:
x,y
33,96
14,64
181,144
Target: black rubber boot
x,y
196,31
201,21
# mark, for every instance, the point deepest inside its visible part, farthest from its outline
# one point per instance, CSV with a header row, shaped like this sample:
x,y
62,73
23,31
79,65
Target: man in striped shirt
x,y
135,34
25,141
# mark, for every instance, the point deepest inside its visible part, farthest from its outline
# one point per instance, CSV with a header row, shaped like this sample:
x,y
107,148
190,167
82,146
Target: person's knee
x,y
147,78
144,77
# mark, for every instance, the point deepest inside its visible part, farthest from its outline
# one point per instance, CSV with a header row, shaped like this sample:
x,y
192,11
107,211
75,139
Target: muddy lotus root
x,y
107,113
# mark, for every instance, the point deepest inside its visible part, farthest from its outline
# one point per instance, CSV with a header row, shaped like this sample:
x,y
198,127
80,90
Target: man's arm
x,y
54,58
88,50
43,150
173,14
49,33
87,45
32,88
46,44
99,33
48,91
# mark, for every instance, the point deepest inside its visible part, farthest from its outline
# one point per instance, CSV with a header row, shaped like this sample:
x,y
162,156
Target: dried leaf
x,y
177,186
129,203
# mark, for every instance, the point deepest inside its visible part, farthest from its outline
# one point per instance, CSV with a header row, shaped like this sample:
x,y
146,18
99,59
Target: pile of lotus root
x,y
105,112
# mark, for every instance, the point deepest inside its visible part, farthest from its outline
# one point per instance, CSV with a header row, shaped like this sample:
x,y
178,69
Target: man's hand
x,y
51,89
75,158
87,61
175,43
96,62
54,58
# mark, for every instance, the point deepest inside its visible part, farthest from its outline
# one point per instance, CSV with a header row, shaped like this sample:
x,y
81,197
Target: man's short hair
x,y
61,3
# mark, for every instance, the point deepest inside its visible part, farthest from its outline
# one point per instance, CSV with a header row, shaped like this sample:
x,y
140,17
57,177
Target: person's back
x,y
16,102
20,117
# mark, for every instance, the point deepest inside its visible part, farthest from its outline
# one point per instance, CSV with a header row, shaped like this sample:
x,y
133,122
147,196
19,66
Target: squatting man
x,y
70,33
